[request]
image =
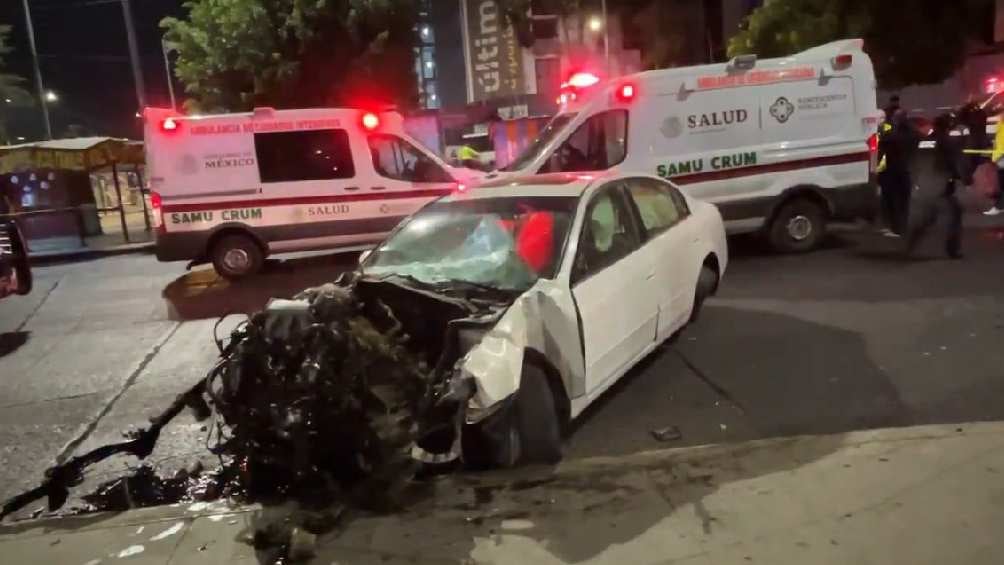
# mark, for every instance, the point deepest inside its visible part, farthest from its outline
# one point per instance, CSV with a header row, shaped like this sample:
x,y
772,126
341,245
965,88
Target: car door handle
x,y
650,276
351,188
378,188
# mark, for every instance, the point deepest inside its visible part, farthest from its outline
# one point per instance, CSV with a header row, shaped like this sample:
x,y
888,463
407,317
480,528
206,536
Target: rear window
x,y
304,155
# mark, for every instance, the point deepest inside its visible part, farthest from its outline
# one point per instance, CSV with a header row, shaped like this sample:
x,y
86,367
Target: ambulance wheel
x,y
236,256
798,226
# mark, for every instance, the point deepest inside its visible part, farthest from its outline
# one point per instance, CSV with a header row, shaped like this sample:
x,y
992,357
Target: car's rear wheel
x,y
236,256
798,226
529,431
707,281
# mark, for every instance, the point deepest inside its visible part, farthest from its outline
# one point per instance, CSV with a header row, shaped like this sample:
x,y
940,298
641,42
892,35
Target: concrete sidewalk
x,y
919,495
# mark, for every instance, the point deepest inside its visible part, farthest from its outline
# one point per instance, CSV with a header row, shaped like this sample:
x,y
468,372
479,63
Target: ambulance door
x,y
406,177
306,176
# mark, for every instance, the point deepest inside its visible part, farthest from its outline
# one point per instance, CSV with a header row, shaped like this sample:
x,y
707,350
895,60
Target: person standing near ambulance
x,y
997,156
897,147
948,162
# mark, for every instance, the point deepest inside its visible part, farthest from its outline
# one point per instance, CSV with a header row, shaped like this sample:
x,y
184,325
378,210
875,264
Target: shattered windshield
x,y
549,132
502,243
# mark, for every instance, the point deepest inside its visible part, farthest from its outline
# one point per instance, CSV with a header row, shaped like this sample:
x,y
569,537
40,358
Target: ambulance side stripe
x,y
772,168
295,200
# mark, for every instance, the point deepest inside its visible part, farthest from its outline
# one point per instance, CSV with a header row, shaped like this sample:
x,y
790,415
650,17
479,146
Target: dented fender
x,y
543,319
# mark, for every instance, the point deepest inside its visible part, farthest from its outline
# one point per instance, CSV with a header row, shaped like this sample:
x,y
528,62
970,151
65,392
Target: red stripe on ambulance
x,y
296,200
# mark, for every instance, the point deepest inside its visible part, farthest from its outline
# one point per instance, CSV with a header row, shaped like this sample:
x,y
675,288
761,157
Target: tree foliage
x,y
237,54
10,86
910,41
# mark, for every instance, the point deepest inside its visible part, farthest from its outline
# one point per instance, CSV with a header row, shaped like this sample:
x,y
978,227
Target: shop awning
x,y
75,154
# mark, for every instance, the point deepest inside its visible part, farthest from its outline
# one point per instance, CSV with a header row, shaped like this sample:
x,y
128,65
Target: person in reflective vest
x,y
997,156
897,143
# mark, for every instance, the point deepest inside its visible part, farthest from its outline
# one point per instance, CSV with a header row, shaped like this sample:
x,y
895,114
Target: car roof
x,y
551,184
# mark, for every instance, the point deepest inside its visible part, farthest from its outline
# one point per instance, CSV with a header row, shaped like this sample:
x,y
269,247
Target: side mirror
x,y
365,255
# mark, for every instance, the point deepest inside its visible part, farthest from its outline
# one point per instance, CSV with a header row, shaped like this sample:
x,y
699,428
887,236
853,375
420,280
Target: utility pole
x,y
606,36
137,71
167,68
38,71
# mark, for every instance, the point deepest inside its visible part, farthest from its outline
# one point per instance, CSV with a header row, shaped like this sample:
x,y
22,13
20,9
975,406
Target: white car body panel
x,y
626,309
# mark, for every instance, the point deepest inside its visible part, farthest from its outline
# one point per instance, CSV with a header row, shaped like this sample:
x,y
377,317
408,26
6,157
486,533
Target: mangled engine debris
x,y
327,392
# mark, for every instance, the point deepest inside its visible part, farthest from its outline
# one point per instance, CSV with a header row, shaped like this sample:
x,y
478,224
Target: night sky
x,y
84,59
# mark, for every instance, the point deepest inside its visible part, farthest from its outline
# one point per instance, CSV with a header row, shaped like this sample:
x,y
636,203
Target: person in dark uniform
x,y
948,161
897,147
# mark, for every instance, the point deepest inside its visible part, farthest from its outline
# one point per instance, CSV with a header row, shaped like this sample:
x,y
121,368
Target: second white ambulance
x,y
234,188
780,145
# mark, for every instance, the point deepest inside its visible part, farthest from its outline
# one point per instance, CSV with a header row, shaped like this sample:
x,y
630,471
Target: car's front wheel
x,y
707,281
528,429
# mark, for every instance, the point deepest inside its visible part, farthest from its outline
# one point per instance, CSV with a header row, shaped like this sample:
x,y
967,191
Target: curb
x,y
47,257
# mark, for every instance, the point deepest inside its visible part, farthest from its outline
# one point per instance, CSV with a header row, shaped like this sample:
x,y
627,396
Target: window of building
x,y
304,155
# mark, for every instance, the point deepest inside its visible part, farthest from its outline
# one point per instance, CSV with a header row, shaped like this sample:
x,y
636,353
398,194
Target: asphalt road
x,y
850,337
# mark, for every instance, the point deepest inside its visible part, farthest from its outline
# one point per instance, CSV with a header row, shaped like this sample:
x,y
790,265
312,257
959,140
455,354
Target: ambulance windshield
x,y
550,131
502,243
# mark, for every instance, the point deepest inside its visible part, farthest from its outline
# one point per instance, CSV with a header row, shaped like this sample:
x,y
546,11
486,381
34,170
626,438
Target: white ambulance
x,y
780,145
234,188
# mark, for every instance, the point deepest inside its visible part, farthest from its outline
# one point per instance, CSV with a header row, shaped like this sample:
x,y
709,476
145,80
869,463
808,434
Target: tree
x,y
12,94
910,41
237,54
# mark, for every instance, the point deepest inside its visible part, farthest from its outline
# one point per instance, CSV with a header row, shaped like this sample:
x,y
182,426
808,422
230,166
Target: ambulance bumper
x,y
848,203
180,246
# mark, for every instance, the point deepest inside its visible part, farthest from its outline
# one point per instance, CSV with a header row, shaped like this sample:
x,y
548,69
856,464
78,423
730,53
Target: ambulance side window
x,y
288,156
598,144
397,159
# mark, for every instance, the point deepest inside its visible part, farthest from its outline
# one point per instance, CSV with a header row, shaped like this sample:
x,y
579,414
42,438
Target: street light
x,y
7,100
51,96
595,24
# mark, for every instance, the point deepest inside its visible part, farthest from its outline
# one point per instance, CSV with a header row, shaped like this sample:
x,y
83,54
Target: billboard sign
x,y
494,57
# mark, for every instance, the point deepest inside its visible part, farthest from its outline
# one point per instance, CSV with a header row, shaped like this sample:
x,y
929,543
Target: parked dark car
x,y
15,272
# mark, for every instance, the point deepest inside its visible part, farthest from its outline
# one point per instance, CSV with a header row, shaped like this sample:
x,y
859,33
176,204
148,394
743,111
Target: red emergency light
x,y
370,121
992,85
583,80
626,92
841,62
169,125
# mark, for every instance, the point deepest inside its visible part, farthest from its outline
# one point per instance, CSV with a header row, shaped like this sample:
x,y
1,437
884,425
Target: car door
x,y
613,288
667,237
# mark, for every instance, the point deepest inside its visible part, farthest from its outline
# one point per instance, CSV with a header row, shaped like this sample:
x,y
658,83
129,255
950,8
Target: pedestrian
x,y
892,107
896,147
997,156
948,162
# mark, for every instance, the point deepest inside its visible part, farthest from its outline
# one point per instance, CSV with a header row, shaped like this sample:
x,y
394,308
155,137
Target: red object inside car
x,y
535,241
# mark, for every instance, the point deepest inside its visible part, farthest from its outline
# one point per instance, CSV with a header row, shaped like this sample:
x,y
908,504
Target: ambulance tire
x,y
797,227
236,256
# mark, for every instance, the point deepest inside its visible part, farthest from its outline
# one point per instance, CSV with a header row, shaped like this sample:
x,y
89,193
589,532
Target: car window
x,y
656,205
607,235
598,144
395,158
304,155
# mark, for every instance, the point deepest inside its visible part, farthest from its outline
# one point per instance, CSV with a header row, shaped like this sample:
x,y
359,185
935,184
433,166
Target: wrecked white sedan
x,y
539,293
